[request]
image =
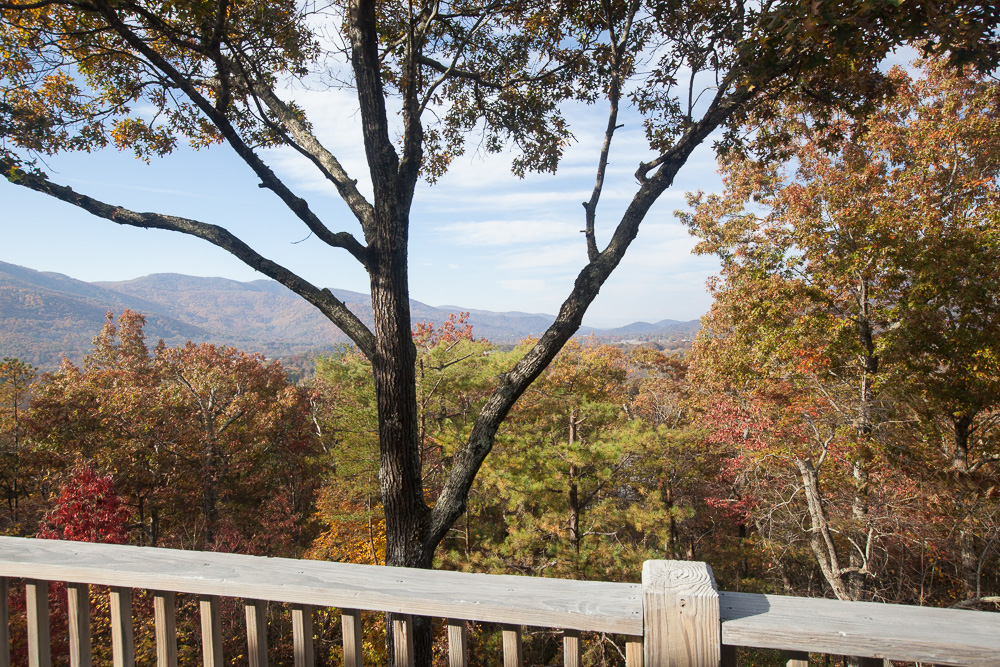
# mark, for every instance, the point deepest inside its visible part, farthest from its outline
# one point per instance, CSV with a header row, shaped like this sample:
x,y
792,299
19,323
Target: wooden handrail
x,y
897,632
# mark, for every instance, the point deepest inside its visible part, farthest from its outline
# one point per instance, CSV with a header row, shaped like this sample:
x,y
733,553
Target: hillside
x,y
44,316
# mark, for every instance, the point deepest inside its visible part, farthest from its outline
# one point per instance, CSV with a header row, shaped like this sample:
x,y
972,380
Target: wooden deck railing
x,y
675,618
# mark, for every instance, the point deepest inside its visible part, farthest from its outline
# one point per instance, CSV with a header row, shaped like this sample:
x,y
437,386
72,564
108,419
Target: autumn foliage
x,y
87,510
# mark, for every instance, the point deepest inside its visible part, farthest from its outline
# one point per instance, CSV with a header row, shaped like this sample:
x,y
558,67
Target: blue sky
x,y
481,238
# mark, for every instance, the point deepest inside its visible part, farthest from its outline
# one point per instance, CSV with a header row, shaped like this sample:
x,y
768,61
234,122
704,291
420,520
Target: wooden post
x,y
256,614
4,622
633,651
302,635
402,640
513,653
680,612
78,599
572,655
122,639
458,653
37,603
350,621
211,631
165,619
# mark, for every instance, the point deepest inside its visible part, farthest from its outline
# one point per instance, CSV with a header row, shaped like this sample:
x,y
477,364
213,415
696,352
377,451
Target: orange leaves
x,y
211,447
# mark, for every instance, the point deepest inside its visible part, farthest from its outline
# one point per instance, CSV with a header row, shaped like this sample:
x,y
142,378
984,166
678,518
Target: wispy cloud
x,y
506,232
143,188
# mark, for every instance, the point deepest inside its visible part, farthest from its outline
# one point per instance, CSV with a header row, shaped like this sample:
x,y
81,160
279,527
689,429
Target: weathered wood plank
x,y
302,635
458,650
165,620
211,631
122,638
350,621
78,599
633,651
513,651
572,652
896,632
256,615
680,606
554,603
37,604
883,631
402,640
4,622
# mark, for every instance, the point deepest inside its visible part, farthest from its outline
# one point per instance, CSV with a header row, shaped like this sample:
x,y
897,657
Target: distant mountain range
x,y
45,316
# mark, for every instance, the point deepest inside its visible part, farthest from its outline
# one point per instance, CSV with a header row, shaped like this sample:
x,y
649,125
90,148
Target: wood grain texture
x,y
211,631
122,638
894,632
256,615
572,652
78,599
513,651
680,614
37,607
458,650
402,640
302,635
4,622
633,651
165,620
350,621
554,603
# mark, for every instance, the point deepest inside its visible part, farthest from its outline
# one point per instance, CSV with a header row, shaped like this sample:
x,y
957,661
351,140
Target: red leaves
x,y
88,510
454,329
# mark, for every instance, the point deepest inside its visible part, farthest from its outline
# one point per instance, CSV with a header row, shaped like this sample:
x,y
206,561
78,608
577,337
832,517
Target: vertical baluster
x,y
572,654
211,631
122,640
165,619
402,640
4,622
350,621
302,635
796,659
78,597
728,656
256,613
513,655
37,603
458,652
633,651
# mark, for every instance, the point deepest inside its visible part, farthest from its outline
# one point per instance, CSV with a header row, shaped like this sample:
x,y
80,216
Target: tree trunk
x,y
574,493
821,537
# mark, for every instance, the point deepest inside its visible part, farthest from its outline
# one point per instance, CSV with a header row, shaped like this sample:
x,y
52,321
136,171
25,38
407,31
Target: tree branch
x,y
268,178
451,502
334,309
325,161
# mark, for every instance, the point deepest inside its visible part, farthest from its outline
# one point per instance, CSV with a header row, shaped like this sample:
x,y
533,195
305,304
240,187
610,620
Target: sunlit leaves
x,y
80,76
211,447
